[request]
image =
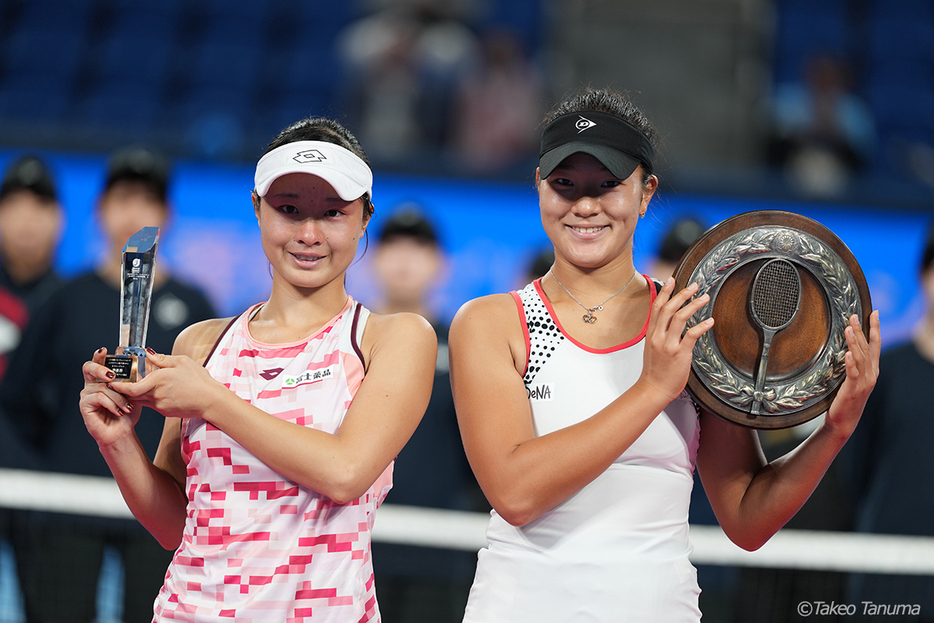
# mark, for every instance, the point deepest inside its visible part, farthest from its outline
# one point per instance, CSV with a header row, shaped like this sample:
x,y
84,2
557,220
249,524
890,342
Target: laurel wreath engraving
x,y
807,251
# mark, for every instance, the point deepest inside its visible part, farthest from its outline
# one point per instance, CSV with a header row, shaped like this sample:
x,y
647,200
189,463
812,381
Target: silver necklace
x,y
589,317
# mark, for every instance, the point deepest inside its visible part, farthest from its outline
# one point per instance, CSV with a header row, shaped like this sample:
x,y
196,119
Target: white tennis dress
x,y
618,549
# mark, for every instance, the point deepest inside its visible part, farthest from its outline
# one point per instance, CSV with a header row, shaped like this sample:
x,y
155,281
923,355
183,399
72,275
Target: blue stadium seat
x,y
230,65
903,109
234,29
157,22
39,73
249,11
320,22
47,53
56,15
170,7
134,56
128,105
205,101
908,10
214,120
309,68
32,97
805,28
898,39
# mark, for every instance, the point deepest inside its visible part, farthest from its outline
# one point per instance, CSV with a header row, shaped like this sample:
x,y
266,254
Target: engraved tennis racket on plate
x,y
782,288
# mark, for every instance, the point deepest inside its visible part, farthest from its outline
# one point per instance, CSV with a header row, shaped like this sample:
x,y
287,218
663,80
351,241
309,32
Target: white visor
x,y
350,176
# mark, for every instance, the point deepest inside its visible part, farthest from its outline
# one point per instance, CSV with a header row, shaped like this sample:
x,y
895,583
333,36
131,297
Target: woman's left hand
x,y
175,386
862,370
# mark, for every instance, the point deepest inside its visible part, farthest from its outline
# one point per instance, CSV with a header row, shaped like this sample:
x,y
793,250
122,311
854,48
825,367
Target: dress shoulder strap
x,y
542,335
360,315
219,338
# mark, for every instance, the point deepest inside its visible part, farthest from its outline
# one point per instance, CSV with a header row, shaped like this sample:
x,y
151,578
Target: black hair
x,y
328,131
609,101
142,165
541,263
408,222
32,174
927,256
679,238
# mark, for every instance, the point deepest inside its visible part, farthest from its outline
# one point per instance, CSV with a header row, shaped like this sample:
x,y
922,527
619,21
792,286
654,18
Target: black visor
x,y
619,146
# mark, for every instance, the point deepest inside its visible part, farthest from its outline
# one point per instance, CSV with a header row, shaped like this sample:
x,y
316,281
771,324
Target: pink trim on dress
x,y
525,329
599,351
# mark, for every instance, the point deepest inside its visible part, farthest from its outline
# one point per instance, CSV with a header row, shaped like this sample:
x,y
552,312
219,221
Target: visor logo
x,y
584,124
310,155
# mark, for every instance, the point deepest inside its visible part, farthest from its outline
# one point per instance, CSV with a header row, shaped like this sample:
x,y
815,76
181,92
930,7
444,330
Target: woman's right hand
x,y
108,414
668,348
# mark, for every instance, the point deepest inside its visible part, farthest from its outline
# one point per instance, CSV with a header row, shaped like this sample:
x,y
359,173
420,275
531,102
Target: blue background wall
x,y
491,231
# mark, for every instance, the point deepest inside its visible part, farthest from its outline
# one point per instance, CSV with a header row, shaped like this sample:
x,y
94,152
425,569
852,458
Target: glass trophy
x,y
139,260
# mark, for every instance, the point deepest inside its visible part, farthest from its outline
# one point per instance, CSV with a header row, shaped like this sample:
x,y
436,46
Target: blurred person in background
x,y
31,221
541,263
677,240
43,382
495,107
402,64
821,132
892,465
423,584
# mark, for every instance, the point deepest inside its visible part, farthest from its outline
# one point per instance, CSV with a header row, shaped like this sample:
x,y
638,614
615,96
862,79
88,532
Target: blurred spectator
x,y
30,228
496,107
890,454
40,391
409,261
540,265
423,584
675,243
821,132
402,64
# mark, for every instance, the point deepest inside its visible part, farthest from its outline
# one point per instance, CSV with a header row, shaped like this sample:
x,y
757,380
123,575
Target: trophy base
x,y
128,366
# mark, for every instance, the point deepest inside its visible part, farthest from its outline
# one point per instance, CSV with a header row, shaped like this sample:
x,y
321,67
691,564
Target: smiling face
x,y
589,214
309,234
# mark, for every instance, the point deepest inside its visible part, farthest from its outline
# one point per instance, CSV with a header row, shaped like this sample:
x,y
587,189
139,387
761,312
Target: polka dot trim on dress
x,y
544,336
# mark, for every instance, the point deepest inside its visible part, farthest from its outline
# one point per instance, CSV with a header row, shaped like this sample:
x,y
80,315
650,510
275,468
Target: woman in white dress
x,y
570,398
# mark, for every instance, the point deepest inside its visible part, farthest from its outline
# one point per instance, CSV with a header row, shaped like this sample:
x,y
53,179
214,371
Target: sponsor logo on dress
x,y
309,376
271,373
542,393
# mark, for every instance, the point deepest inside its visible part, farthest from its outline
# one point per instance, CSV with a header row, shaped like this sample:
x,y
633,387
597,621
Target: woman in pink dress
x,y
282,424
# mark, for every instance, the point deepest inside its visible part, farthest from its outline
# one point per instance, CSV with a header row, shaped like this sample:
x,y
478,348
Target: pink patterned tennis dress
x,y
257,546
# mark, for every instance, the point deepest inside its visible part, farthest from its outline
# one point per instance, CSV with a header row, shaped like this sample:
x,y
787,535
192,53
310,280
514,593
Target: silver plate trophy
x,y
782,288
139,261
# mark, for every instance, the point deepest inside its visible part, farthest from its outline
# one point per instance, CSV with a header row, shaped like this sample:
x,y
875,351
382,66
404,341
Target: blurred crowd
x,y
422,86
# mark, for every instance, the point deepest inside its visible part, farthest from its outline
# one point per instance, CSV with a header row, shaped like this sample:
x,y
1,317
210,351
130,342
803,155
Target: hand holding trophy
x,y
139,262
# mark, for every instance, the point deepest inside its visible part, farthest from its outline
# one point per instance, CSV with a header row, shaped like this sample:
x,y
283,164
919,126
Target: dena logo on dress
x,y
541,393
